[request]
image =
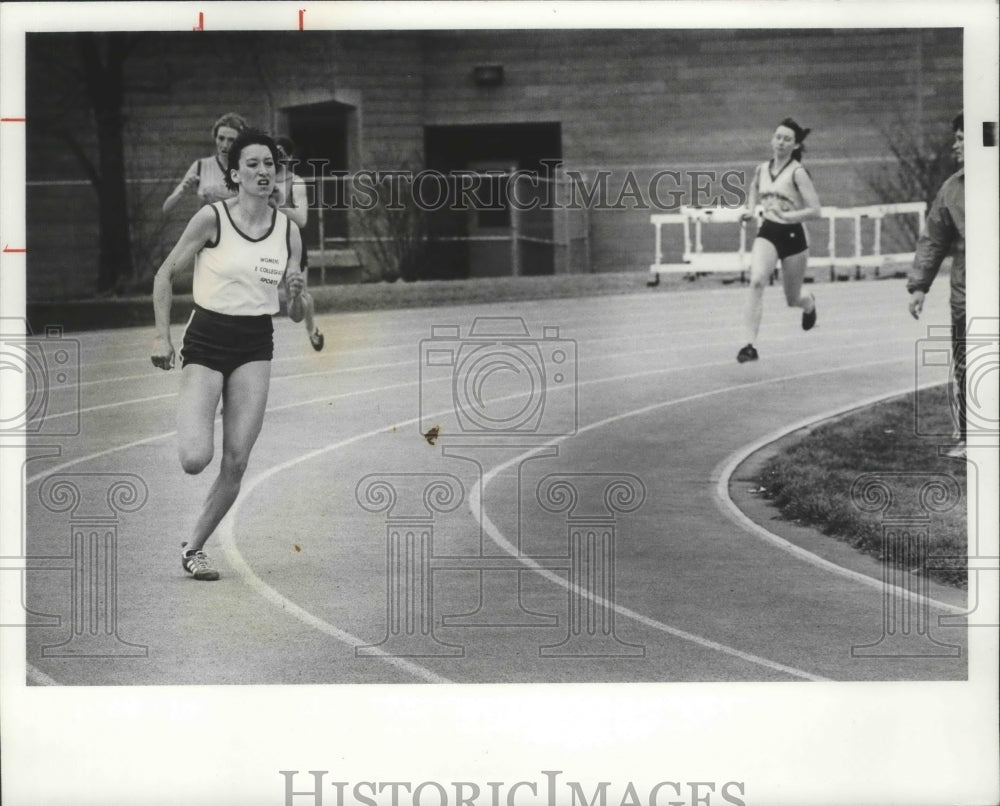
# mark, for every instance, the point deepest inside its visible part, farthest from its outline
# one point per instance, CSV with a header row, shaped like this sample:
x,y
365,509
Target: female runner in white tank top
x,y
783,189
207,176
242,247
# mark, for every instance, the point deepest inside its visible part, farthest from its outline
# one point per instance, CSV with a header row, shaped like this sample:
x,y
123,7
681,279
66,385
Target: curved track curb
x,y
722,478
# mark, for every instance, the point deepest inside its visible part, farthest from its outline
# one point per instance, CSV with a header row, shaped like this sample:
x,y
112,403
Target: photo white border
x,y
794,743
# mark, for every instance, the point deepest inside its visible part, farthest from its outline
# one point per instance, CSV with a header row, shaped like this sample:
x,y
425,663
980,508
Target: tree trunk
x,y
103,56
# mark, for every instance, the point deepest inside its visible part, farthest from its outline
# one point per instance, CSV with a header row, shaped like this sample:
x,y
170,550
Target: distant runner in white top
x,y
207,176
785,192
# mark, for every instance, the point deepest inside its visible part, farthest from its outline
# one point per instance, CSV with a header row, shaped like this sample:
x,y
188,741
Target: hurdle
x,y
695,260
858,260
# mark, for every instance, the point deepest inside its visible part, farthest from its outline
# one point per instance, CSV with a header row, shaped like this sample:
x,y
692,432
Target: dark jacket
x,y
943,234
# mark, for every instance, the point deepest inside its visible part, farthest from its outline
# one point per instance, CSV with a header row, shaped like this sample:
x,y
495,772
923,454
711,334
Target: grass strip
x,y
810,481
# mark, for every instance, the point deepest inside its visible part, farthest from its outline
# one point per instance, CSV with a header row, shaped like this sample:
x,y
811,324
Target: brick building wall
x,y
625,101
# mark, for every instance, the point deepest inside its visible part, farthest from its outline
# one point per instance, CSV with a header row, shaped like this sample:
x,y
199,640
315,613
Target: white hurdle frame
x,y
696,260
875,260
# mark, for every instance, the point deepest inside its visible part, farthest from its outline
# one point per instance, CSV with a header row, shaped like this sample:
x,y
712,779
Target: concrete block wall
x,y
628,101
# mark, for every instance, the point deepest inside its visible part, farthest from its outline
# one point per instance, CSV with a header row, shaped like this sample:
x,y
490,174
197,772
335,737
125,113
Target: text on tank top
x,y
778,191
239,275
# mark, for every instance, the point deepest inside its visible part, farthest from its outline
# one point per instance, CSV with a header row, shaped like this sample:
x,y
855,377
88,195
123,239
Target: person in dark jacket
x,y
943,235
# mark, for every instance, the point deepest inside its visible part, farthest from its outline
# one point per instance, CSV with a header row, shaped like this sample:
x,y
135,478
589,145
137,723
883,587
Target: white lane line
x,y
641,333
327,398
90,456
510,548
724,470
166,434
228,542
226,528
261,586
530,564
168,395
665,348
404,338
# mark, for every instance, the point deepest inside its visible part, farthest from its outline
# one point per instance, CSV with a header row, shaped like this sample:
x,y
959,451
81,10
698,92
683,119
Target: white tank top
x,y
778,191
211,180
237,275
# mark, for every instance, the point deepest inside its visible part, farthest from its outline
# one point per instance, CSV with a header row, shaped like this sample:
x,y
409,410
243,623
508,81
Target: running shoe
x,y
748,353
199,566
809,319
316,340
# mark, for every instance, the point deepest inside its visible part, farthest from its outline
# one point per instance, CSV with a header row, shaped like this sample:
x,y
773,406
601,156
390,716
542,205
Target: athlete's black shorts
x,y
788,239
224,343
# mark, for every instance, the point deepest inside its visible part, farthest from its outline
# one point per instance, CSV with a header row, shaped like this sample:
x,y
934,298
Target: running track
x,y
699,596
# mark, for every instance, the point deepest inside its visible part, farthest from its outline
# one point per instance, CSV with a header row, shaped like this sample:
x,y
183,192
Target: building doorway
x,y
322,133
477,243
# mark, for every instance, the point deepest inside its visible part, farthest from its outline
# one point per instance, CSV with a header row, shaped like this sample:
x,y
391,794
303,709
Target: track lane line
x,y
476,496
646,334
260,586
700,346
327,398
723,472
226,529
245,572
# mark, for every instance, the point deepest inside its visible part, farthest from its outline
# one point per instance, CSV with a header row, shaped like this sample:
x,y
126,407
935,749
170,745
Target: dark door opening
x,y
321,133
534,147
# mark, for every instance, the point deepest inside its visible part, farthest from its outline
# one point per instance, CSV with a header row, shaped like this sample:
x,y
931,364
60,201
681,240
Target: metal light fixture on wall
x,y
488,75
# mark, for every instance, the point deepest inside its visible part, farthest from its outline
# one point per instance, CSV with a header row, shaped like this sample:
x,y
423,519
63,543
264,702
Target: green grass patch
x,y
811,480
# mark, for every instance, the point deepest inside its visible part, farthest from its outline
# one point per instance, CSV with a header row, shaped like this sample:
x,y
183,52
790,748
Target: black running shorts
x,y
224,343
788,239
